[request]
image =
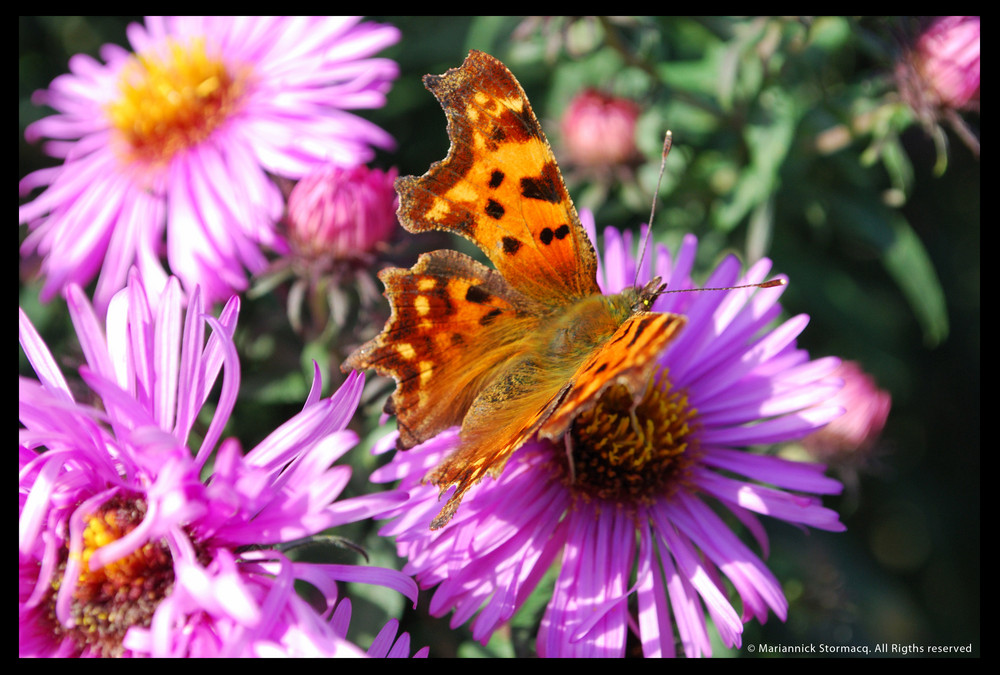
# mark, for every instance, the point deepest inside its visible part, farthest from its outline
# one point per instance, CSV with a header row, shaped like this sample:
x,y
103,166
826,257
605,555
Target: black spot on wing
x,y
477,295
496,137
547,235
545,187
494,210
510,245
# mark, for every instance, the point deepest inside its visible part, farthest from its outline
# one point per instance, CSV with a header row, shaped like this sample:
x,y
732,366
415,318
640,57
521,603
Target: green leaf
x,y
768,136
907,261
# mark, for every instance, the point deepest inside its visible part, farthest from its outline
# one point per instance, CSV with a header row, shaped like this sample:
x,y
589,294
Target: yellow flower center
x,y
629,452
173,102
111,599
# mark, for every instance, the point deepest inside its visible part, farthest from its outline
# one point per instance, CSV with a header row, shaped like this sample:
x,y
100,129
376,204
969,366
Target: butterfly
x,y
517,351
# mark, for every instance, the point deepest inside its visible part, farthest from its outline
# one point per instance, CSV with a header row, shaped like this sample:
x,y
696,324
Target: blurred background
x,y
817,142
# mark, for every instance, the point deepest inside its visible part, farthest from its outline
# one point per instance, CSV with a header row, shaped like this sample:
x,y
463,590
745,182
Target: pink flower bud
x,y
342,213
599,129
866,409
947,58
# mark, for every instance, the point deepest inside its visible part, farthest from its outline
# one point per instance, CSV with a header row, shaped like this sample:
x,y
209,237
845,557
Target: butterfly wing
x,y
502,418
491,433
453,322
500,186
629,358
470,345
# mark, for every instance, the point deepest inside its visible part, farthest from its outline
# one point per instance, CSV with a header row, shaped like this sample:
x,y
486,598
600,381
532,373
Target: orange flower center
x,y
627,452
171,103
125,593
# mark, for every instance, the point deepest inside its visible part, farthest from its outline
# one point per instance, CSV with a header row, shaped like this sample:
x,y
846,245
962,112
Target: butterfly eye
x,y
648,294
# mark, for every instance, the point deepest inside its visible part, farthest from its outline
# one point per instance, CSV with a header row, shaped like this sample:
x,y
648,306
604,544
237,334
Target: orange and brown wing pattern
x,y
628,358
489,440
453,321
500,186
512,352
523,399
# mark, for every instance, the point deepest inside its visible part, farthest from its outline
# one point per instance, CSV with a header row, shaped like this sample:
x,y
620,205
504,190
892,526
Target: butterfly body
x,y
583,327
518,351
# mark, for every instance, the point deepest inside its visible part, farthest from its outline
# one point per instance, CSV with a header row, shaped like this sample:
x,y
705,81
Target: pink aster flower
x,y
170,147
129,545
640,524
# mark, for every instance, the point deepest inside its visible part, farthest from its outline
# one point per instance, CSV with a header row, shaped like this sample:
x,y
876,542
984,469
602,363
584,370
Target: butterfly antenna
x,y
668,141
764,284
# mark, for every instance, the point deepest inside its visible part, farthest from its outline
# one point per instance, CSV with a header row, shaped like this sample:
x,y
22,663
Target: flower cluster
x,y
128,543
144,532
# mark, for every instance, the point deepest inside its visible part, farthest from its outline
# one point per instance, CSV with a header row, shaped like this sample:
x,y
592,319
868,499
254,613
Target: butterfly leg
x,y
568,442
636,427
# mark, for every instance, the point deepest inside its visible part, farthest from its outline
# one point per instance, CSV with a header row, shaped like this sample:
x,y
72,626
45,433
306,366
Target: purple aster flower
x,y
182,134
129,544
639,520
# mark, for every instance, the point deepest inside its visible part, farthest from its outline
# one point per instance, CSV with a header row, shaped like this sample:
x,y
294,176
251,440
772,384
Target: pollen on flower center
x,y
109,600
629,452
168,104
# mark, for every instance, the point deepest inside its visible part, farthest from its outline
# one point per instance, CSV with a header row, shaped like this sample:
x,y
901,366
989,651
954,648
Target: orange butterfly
x,y
515,352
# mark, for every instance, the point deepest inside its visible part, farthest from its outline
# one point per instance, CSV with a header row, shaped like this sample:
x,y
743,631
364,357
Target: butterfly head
x,y
648,294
